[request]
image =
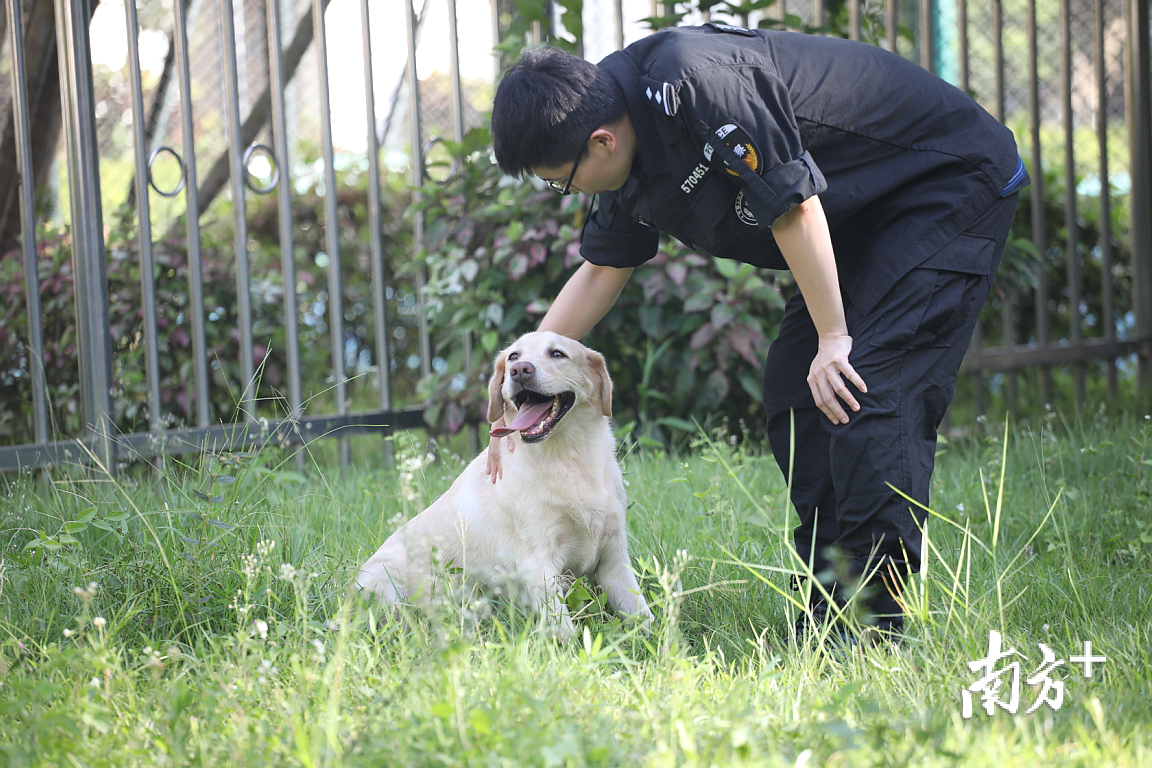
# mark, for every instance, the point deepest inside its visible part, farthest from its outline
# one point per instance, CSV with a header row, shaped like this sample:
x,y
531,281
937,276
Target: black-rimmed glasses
x,y
567,188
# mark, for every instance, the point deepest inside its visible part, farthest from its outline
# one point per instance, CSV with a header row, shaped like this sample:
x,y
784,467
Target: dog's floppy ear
x,y
495,384
601,381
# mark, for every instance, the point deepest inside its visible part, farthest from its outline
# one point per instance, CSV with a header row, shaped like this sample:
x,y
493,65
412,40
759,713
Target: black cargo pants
x,y
908,350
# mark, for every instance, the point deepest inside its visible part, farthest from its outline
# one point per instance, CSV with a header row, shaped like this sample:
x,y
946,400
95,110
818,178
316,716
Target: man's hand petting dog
x,y
557,513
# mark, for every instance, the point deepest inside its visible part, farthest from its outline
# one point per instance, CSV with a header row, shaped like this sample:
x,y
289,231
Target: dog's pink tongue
x,y
525,418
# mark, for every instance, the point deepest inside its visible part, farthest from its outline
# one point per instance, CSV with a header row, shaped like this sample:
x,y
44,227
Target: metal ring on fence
x,y
452,168
183,173
248,153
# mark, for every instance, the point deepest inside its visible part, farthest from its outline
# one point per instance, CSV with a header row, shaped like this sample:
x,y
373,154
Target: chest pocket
x,y
723,224
712,198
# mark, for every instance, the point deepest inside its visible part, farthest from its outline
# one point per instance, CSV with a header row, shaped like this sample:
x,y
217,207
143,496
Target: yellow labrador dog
x,y
558,511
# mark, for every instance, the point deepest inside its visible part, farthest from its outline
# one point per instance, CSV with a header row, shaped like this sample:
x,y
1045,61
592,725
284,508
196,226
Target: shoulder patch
x,y
661,95
742,145
731,29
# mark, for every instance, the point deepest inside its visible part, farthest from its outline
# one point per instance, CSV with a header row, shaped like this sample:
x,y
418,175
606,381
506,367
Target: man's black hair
x,y
546,106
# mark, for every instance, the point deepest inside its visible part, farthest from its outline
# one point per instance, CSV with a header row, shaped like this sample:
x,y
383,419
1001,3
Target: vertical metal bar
x,y
1071,228
458,135
1039,216
1107,310
239,210
332,220
818,13
88,255
1008,305
978,381
891,23
1140,164
998,55
192,220
379,267
495,6
977,343
417,182
28,224
962,31
454,74
618,14
144,217
978,378
284,208
854,19
926,34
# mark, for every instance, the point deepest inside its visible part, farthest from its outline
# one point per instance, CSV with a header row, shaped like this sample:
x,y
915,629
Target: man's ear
x,y
601,381
604,137
495,384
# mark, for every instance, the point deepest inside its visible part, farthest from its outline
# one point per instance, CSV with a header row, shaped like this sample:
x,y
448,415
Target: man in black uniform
x,y
887,192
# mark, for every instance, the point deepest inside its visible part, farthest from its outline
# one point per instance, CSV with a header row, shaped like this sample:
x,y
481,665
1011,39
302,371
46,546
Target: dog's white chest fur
x,y
565,514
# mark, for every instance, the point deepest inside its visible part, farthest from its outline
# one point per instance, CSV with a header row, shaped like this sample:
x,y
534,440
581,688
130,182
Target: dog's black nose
x,y
522,369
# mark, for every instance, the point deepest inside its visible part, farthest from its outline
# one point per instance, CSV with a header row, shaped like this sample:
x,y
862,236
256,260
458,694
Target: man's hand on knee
x,y
826,378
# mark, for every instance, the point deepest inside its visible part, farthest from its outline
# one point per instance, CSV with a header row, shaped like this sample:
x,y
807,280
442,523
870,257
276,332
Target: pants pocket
x,y
925,308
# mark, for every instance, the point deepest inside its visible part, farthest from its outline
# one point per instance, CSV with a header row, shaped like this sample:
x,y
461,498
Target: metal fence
x,y
240,87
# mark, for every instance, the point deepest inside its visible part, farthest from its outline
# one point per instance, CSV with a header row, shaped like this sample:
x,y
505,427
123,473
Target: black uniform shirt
x,y
902,161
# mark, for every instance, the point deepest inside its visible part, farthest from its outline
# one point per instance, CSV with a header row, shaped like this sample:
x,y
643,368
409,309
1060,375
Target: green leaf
x,y
578,593
531,10
74,527
722,314
676,423
728,267
480,722
651,319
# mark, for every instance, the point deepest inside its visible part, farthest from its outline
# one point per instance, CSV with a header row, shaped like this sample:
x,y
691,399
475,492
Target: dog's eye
x,y
513,357
558,354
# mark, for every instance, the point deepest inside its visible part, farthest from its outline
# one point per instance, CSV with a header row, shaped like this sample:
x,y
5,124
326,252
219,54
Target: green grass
x,y
199,643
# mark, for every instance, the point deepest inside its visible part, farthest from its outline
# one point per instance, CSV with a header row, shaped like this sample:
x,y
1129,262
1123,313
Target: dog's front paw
x,y
559,628
374,581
